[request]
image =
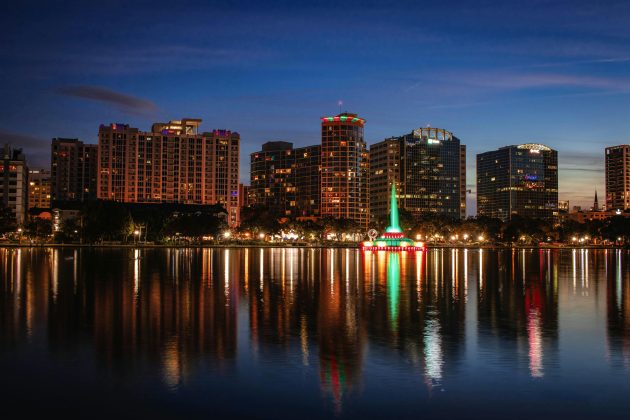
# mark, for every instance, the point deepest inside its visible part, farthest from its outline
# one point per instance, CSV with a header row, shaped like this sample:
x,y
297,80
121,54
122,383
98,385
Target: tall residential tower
x,y
39,189
286,180
72,170
173,163
344,169
272,174
14,183
618,178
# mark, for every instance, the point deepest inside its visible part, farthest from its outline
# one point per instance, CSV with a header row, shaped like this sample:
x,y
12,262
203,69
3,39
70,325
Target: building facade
x,y
14,183
173,163
272,174
429,168
308,183
287,180
589,216
39,189
72,170
385,164
345,169
243,195
463,187
618,178
518,180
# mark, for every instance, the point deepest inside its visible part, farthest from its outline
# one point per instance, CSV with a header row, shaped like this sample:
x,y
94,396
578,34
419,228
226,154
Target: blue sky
x,y
492,72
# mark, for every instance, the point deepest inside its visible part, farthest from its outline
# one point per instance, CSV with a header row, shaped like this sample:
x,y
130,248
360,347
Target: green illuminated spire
x,y
393,213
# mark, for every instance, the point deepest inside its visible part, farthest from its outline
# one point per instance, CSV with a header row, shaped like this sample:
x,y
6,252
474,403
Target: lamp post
x,y
136,234
19,236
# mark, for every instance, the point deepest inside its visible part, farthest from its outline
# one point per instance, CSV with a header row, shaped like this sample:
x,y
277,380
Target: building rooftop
x,y
344,117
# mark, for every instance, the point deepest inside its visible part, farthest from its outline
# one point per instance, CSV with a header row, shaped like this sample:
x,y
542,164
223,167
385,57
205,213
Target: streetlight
x,y
261,236
136,235
227,234
20,235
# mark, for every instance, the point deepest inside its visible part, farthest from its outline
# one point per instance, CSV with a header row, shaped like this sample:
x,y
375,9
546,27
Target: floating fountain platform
x,y
393,239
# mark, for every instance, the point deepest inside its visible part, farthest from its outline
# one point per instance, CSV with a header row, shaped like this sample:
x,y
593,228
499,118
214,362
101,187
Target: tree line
x,y
110,221
258,219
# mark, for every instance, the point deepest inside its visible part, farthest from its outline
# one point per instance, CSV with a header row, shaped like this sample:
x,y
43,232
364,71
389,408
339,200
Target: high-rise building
x,y
272,174
287,180
308,185
345,169
518,180
429,167
385,164
618,177
14,183
39,189
173,163
72,170
243,195
462,181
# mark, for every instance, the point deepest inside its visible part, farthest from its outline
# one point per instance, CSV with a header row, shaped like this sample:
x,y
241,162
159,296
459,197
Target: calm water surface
x,y
304,333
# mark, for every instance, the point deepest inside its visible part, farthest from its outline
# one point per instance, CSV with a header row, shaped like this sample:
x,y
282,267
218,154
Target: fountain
x,y
393,239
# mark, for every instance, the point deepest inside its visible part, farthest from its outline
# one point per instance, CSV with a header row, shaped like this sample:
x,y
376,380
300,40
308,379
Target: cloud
x,y
581,159
133,59
125,103
507,80
611,60
471,85
533,80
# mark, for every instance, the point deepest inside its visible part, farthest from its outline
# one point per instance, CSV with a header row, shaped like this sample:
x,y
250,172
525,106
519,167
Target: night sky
x,y
493,72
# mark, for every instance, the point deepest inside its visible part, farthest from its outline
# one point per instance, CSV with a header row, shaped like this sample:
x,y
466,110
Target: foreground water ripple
x,y
271,333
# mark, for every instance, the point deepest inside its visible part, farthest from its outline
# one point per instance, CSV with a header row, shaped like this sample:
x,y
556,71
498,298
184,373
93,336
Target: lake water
x,y
307,333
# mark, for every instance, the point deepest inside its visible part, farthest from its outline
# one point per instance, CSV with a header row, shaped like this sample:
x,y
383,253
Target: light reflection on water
x,y
431,332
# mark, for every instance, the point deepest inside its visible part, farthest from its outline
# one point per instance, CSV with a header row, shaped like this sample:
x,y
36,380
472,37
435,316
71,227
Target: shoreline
x,y
303,246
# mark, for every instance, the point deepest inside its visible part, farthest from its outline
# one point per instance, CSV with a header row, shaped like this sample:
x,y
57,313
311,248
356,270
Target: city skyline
x,y
498,74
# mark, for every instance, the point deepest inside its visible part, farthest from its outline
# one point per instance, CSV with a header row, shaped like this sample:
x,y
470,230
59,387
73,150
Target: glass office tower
x,y
518,180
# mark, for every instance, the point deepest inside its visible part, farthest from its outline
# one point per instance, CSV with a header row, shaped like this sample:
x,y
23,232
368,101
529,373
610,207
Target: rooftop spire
x,y
393,213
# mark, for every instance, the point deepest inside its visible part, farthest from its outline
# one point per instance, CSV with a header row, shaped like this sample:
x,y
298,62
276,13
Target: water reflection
x,y
518,307
335,318
618,304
